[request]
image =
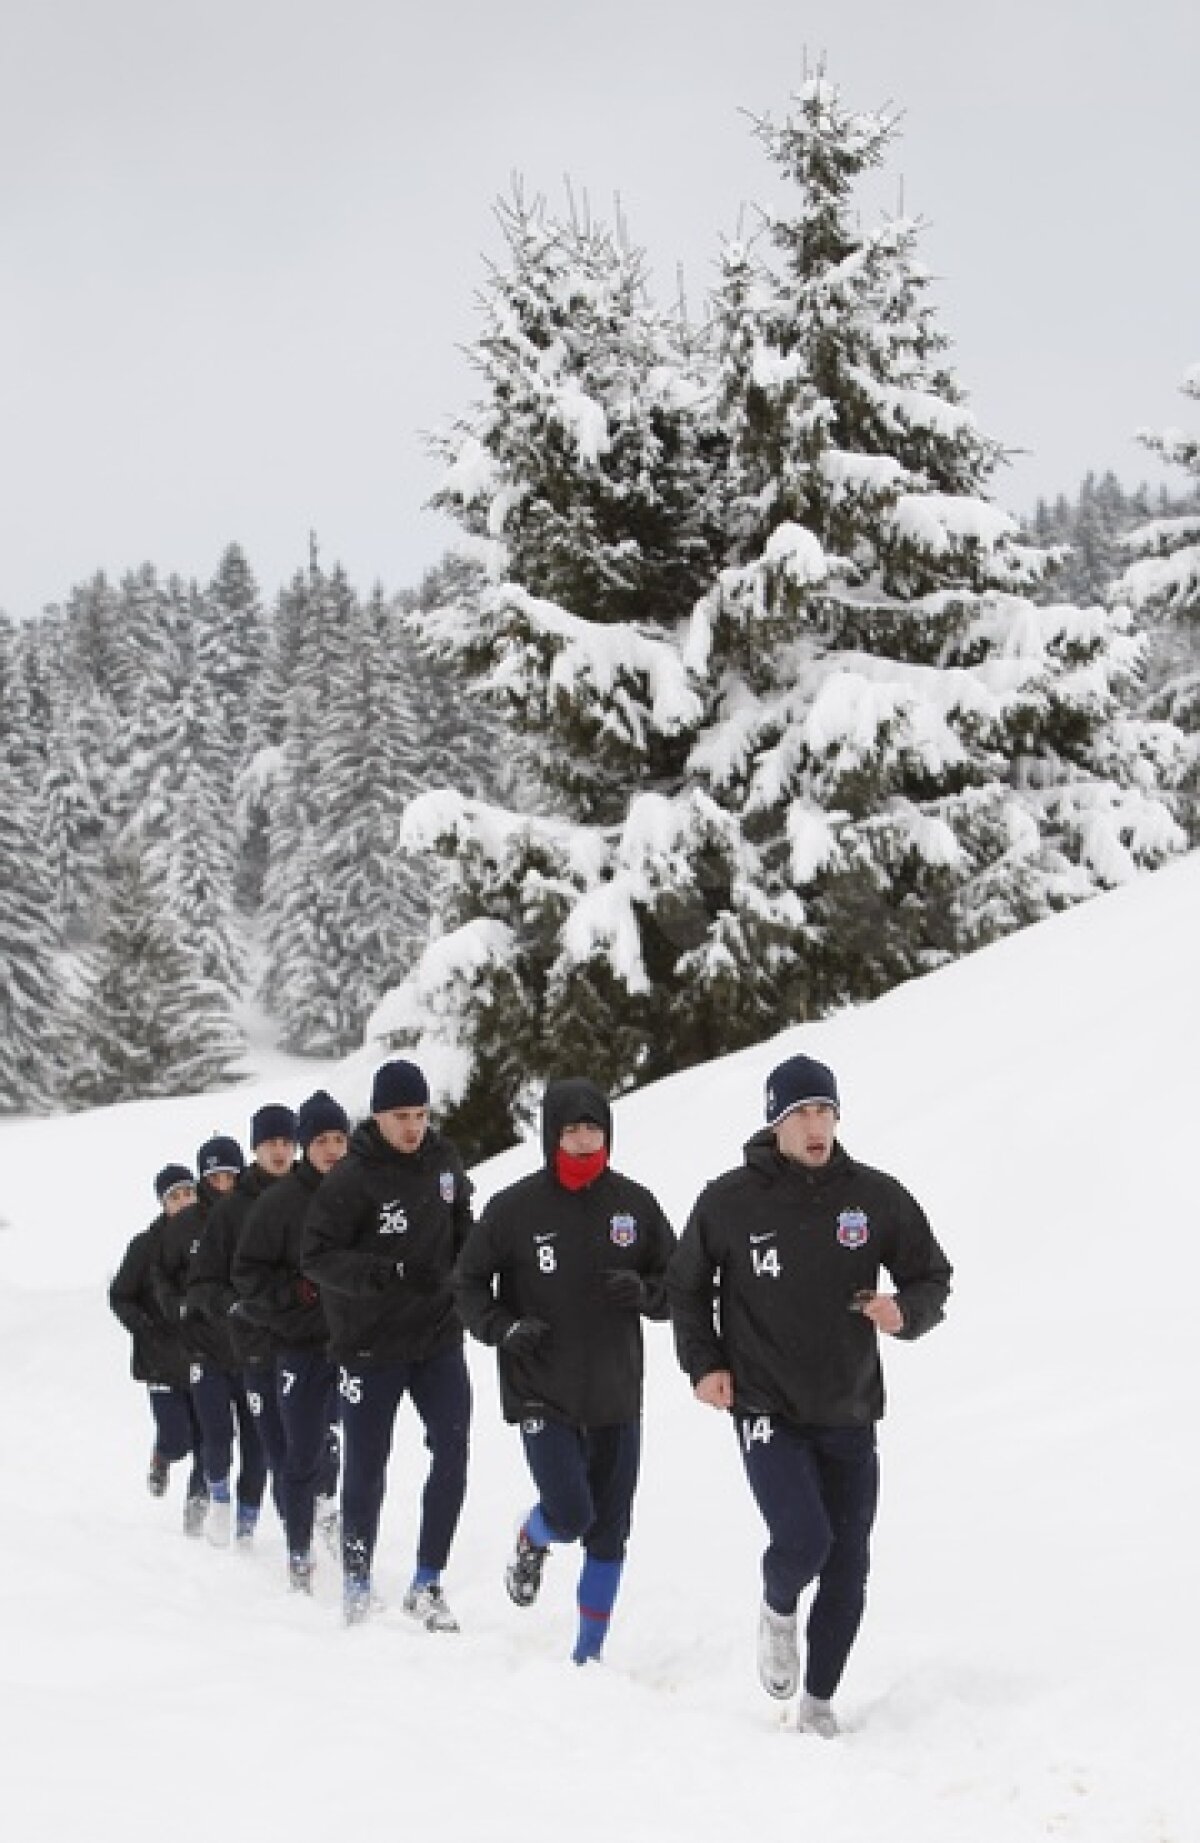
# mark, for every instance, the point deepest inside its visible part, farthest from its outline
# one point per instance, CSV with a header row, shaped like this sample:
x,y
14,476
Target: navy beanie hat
x,y
800,1082
319,1114
398,1084
170,1178
220,1154
272,1122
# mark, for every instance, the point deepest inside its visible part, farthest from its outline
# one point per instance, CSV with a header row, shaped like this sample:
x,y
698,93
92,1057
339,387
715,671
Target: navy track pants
x,y
586,1478
220,1400
817,1488
177,1430
307,1382
440,1390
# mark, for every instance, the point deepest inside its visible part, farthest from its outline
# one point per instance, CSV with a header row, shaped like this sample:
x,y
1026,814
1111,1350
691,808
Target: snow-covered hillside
x,y
1027,1666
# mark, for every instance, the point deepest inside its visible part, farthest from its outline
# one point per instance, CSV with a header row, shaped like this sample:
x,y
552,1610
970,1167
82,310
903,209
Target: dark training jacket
x,y
542,1251
237,1342
380,1240
158,1354
787,1248
267,1273
177,1243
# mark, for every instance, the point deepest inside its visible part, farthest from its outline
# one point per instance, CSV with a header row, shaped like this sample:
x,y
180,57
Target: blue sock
x,y
247,1516
538,1530
598,1584
218,1490
426,1577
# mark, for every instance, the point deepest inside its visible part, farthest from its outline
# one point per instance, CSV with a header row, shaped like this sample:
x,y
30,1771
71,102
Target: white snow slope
x,y
1027,1668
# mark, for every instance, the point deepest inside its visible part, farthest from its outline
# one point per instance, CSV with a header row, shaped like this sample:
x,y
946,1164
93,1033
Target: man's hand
x,y
622,1287
881,1309
716,1389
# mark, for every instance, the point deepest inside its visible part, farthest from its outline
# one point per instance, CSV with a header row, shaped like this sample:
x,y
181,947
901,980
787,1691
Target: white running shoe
x,y
218,1522
815,1716
778,1663
427,1605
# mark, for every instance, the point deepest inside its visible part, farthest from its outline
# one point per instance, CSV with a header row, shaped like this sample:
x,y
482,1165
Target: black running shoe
x,y
158,1477
523,1575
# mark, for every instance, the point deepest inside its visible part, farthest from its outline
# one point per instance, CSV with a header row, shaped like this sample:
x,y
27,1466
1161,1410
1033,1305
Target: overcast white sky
x,y
240,240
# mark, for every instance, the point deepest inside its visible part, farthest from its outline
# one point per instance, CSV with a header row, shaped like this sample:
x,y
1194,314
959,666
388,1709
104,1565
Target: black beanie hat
x,y
272,1122
220,1154
170,1178
799,1082
398,1084
319,1114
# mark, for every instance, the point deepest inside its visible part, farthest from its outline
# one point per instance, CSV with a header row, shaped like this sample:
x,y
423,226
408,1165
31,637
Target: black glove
x,y
623,1287
525,1336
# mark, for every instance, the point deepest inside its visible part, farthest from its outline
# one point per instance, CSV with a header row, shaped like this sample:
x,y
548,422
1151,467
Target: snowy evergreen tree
x,y
919,753
30,981
232,645
181,765
1084,535
1162,586
368,717
310,932
74,820
146,1021
801,728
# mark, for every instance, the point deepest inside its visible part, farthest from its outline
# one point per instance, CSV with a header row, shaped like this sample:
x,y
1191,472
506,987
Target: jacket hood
x,y
576,1098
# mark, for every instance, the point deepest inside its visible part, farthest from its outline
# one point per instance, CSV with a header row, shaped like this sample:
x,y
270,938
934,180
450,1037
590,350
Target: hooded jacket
x,y
158,1354
787,1248
543,1251
380,1240
267,1273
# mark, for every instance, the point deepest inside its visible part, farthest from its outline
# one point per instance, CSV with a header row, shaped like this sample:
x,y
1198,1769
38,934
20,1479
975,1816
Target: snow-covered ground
x,y
1028,1664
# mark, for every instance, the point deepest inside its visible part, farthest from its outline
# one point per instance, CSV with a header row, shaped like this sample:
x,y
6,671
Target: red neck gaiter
x,y
577,1173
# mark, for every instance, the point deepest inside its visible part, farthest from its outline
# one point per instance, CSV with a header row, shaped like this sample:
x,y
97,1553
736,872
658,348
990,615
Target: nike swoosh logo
x,y
769,1236
549,1237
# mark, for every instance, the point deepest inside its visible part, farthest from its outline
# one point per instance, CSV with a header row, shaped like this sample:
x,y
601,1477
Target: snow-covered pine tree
x,y
180,769
1162,586
302,975
30,981
913,749
232,642
584,484
1084,535
145,1020
836,742
330,894
73,815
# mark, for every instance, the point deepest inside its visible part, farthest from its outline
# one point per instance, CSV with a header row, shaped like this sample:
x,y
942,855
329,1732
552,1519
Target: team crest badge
x,y
623,1231
446,1186
853,1229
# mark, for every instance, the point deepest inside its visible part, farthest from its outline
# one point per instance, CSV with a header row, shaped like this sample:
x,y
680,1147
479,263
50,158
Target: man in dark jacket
x,y
793,1241
158,1357
219,1163
278,1295
558,1275
382,1234
240,1374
